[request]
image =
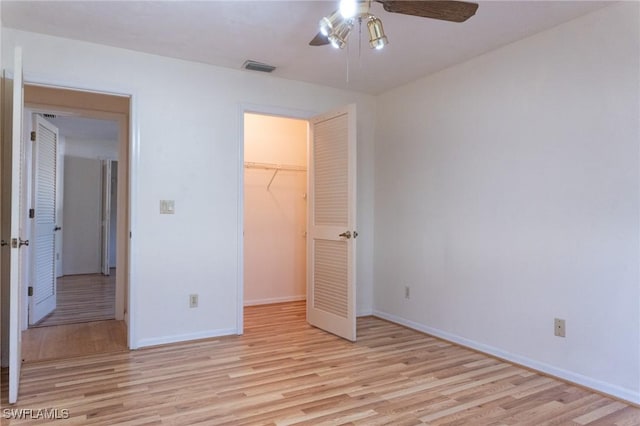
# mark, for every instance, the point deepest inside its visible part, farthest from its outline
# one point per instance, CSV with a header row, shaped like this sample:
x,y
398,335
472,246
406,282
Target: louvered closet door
x,y
331,231
45,154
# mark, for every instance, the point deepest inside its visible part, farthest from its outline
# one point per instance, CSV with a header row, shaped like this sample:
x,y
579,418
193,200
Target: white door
x,y
331,241
11,233
45,158
106,215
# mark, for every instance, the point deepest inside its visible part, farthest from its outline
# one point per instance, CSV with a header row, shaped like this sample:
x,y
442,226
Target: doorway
x,y
275,209
331,230
93,218
86,198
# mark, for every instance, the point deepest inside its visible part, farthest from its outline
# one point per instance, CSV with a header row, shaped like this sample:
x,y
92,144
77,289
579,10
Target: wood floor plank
x,y
284,372
83,298
72,340
80,324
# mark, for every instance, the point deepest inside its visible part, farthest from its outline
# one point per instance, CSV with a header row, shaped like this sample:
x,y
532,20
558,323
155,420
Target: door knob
x,y
22,242
4,243
57,228
346,235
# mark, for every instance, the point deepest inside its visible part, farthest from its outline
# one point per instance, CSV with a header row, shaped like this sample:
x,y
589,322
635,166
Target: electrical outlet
x,y
559,327
193,300
407,292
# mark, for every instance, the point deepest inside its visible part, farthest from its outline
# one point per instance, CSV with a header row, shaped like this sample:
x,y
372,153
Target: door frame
x,y
275,111
105,212
50,98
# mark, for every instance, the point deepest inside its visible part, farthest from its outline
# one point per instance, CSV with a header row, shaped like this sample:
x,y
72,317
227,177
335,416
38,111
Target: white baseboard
x,y
364,313
597,385
164,340
275,300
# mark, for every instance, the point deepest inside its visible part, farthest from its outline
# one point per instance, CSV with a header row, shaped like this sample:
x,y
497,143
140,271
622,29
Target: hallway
x,y
82,324
83,298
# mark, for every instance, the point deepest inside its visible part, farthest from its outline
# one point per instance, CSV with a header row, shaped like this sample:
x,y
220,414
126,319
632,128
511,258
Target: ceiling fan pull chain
x,y
348,56
360,43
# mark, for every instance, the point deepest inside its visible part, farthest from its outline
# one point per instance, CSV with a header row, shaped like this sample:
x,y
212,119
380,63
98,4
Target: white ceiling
x,y
226,33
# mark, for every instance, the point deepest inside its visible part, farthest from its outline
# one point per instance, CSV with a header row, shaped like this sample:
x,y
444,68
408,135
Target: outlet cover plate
x,y
193,300
167,207
559,328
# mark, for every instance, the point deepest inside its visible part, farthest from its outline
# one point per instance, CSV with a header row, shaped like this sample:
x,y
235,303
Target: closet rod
x,y
275,167
270,166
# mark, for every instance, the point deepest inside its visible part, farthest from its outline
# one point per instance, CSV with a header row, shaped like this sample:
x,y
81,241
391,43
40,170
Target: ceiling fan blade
x,y
319,40
454,11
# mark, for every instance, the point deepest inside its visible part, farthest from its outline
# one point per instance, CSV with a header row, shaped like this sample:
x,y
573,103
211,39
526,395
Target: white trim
x,y
134,164
272,300
177,338
38,80
364,312
240,226
597,385
258,109
134,161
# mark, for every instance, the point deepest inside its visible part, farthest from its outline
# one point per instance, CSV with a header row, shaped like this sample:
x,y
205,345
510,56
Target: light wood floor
x,y
83,298
82,323
71,340
283,372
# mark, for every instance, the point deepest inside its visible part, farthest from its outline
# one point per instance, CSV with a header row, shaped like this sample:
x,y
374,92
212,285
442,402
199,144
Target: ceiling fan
x,y
336,27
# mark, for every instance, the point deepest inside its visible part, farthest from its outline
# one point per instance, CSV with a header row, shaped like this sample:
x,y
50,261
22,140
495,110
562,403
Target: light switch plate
x,y
167,207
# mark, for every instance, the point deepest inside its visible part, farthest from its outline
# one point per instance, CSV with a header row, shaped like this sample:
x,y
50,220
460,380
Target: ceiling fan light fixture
x,y
348,8
338,38
330,22
377,38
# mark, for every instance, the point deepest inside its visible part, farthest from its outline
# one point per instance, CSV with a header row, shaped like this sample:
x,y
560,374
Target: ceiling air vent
x,y
257,66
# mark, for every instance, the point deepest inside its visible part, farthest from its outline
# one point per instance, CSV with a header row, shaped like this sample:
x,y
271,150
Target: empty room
x,y
454,239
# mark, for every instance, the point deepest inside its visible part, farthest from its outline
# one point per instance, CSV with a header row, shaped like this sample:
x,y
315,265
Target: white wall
x,y
507,194
187,124
95,149
81,225
98,149
276,140
275,220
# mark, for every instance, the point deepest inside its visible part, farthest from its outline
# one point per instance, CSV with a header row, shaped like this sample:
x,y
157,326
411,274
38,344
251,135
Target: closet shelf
x,y
270,166
275,167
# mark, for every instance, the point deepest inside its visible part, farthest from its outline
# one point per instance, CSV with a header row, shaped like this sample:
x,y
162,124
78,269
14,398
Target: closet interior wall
x,y
275,209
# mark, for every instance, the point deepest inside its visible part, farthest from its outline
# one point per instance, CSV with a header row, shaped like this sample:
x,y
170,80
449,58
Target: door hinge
x,y
33,136
32,213
30,293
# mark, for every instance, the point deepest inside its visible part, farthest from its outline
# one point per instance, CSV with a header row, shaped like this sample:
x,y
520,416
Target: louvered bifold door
x,y
45,147
332,230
